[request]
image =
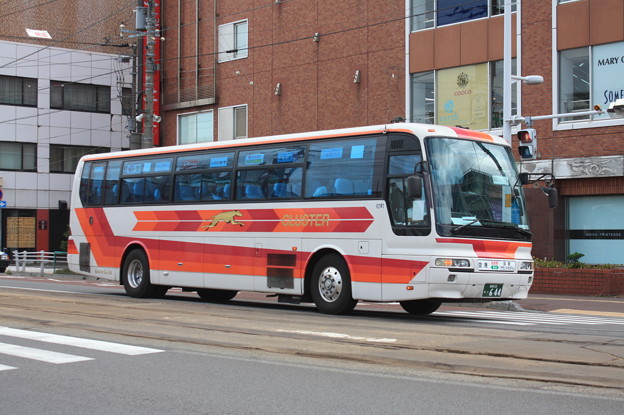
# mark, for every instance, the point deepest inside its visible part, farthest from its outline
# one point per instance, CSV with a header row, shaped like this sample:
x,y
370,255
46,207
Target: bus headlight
x,y
452,262
526,266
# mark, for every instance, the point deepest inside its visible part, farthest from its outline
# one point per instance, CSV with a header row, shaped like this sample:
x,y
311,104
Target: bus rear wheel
x,y
216,296
331,286
421,307
136,277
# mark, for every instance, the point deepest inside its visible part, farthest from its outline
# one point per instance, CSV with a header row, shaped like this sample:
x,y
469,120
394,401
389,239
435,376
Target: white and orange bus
x,y
419,214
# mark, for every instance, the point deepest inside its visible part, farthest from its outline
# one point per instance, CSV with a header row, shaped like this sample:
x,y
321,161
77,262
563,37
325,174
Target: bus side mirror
x,y
524,178
553,196
414,187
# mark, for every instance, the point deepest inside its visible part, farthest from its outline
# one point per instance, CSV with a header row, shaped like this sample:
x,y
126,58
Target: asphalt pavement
x,y
564,304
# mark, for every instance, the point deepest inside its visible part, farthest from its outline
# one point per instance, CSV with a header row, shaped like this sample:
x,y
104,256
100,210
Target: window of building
x,y
423,97
422,14
64,159
574,82
590,76
80,97
196,127
470,96
18,156
426,14
127,101
596,228
496,93
233,41
232,122
18,91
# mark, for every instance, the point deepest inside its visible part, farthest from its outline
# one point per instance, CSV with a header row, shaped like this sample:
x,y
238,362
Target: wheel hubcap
x,y
135,273
330,284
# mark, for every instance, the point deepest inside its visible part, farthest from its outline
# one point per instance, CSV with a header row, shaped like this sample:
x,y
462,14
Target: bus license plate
x,y
492,290
505,266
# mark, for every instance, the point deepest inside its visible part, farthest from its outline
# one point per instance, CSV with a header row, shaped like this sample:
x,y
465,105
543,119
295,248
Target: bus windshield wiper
x,y
506,225
460,227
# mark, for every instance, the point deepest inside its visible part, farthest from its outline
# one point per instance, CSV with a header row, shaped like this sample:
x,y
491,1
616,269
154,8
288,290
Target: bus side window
x,y
84,183
157,189
286,182
186,187
96,184
252,184
111,184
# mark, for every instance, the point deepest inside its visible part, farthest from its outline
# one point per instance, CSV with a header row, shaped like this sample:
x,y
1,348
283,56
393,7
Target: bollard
x,y
16,259
42,259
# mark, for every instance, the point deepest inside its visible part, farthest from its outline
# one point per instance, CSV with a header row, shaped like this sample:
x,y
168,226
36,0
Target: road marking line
x,y
41,289
78,342
41,355
533,318
3,367
475,317
339,336
576,299
588,312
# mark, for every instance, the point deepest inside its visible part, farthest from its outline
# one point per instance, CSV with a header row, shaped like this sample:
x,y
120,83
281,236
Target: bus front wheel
x,y
136,276
421,307
331,286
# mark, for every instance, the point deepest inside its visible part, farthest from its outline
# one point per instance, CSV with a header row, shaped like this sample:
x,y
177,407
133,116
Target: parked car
x,y
4,261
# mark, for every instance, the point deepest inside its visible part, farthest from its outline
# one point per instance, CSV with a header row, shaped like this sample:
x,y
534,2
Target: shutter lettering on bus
x,y
356,219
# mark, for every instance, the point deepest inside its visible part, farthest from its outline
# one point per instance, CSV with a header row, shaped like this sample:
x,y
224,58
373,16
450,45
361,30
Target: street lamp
x,y
529,80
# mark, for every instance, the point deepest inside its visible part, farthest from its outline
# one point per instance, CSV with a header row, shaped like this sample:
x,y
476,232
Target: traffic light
x,y
527,146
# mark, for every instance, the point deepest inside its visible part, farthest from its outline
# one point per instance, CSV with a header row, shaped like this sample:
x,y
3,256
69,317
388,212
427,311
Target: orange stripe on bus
x,y
490,249
465,133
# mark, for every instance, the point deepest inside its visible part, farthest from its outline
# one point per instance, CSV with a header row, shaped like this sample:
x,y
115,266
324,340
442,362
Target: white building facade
x,y
55,106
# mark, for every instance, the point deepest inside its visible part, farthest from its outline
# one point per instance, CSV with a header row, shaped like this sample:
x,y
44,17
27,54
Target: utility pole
x,y
148,115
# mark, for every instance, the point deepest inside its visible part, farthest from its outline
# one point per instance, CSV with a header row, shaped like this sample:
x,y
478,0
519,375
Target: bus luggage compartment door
x,y
84,257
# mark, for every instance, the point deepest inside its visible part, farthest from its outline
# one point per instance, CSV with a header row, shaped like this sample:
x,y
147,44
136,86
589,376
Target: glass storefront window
x,y
596,228
471,96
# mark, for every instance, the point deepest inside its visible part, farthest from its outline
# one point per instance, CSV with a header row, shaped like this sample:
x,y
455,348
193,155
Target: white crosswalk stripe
x,y
48,356
77,342
39,354
524,318
3,367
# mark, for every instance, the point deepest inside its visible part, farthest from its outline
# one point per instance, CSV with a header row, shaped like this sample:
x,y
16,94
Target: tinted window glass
x,y
111,184
343,168
204,162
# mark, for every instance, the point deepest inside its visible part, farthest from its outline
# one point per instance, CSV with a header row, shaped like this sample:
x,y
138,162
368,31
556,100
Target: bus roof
x,y
420,130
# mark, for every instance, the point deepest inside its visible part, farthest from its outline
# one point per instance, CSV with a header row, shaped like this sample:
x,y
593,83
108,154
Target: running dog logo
x,y
227,217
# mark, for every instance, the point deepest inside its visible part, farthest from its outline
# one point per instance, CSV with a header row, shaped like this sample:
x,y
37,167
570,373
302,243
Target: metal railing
x,y
41,259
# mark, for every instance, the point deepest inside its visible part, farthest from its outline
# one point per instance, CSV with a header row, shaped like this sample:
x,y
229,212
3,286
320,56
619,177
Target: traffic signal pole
x,y
150,37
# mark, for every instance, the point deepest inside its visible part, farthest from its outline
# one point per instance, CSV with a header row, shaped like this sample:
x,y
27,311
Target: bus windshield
x,y
475,189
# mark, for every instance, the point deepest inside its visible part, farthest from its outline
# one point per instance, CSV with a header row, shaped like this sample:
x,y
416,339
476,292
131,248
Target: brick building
x,y
246,68
60,98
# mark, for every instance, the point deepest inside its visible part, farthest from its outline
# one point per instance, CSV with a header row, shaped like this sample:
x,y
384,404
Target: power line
x,y
27,8
69,37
